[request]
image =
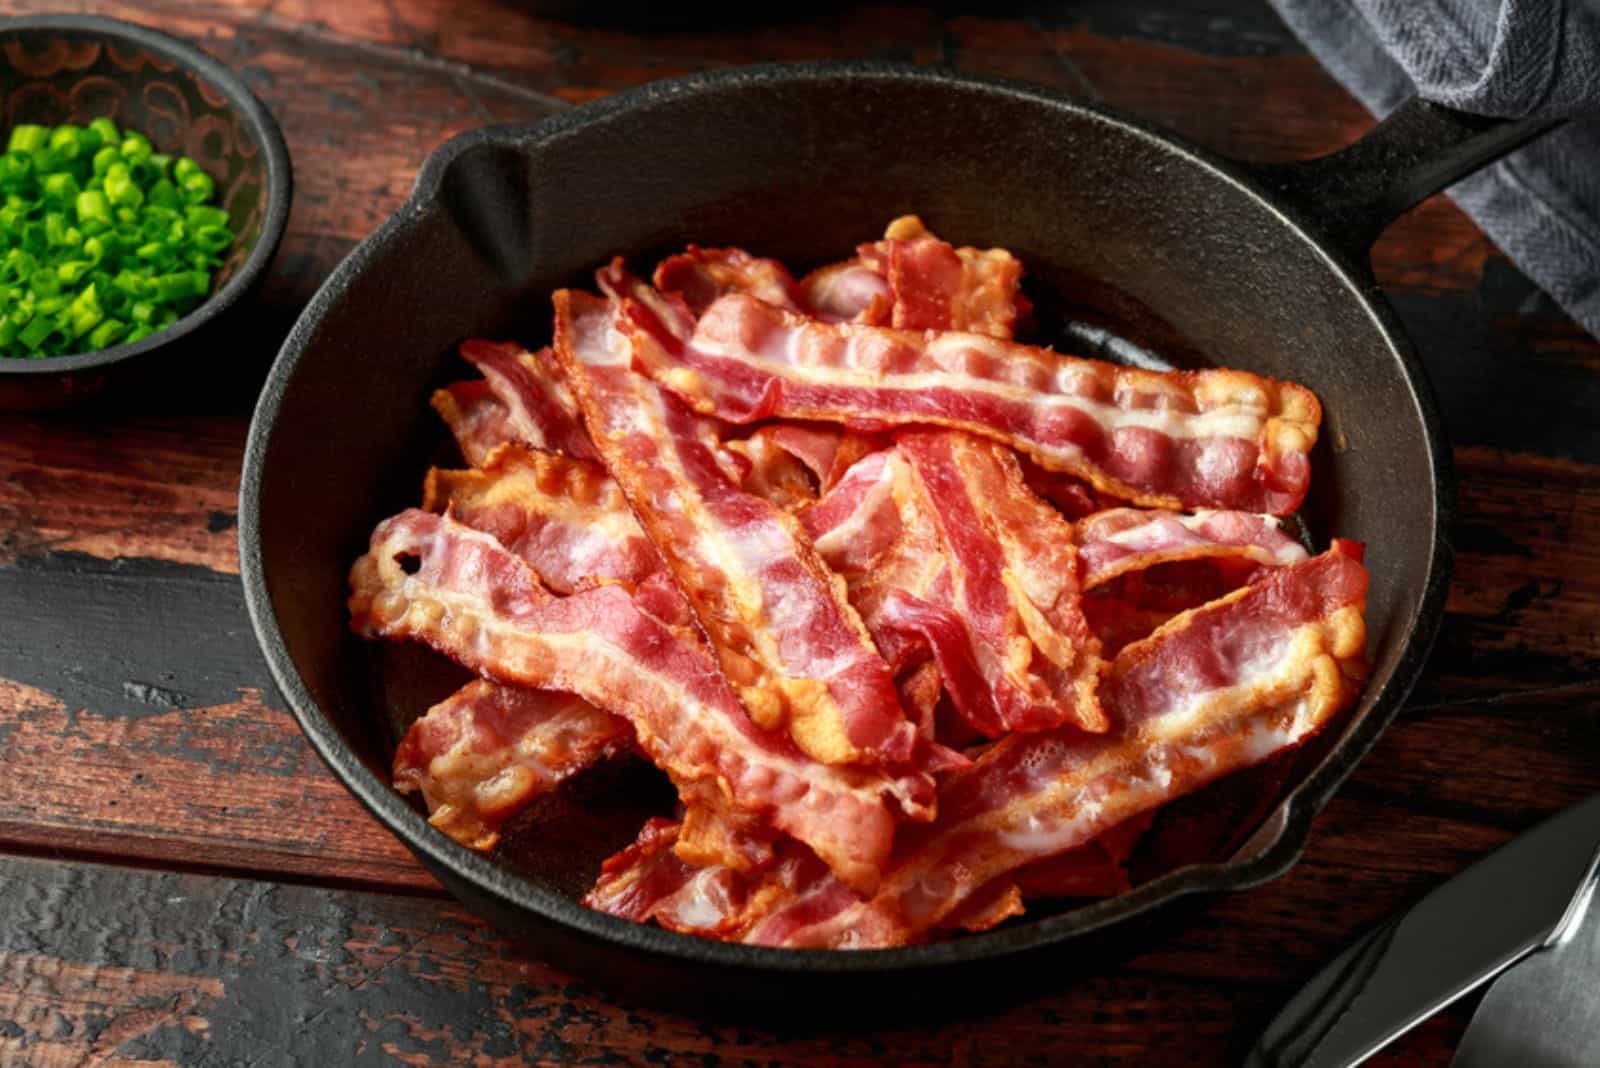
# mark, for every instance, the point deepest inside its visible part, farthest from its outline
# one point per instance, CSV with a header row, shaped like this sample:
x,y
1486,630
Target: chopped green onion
x,y
60,186
106,130
136,147
27,138
165,195
103,240
36,331
69,142
93,207
198,188
105,335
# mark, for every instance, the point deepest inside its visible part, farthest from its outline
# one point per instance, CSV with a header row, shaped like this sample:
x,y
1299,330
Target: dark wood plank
x,y
197,970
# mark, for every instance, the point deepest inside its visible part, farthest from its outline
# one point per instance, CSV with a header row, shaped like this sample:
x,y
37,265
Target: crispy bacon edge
x,y
1008,635
539,409
1119,540
484,753
428,578
746,567
1206,439
1217,689
564,516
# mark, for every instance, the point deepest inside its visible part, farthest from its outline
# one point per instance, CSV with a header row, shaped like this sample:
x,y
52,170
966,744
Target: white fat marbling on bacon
x,y
478,420
1211,439
430,579
701,275
913,280
540,411
856,521
790,643
1009,638
1215,690
564,516
1120,540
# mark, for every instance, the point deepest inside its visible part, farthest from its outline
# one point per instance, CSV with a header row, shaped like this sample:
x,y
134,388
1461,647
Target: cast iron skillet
x,y
1261,268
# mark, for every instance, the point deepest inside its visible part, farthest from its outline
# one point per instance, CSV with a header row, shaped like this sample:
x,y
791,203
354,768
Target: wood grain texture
x,y
138,722
216,971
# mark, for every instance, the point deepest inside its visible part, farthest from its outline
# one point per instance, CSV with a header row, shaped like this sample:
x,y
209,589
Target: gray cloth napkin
x,y
1510,58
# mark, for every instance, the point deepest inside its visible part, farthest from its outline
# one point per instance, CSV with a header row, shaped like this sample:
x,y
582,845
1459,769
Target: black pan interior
x,y
1117,227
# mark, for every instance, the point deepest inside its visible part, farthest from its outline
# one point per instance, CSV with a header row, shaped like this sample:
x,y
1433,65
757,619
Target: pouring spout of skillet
x,y
1176,250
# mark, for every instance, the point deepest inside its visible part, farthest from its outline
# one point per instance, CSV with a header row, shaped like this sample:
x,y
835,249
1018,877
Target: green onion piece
x,y
106,334
201,215
60,187
69,142
165,195
44,282
16,172
94,207
104,158
142,312
136,147
71,271
84,313
198,188
106,130
27,138
120,187
213,238
33,335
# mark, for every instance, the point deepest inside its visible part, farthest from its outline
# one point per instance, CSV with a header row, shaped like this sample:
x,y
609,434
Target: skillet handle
x,y
1351,196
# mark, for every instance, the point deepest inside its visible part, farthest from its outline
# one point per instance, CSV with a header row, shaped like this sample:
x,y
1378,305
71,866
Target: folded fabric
x,y
1509,58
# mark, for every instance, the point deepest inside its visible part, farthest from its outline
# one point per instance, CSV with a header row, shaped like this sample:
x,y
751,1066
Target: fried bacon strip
x,y
649,880
1094,869
1120,540
1010,641
933,286
570,522
775,473
565,517
1217,689
944,546
477,419
431,579
1199,439
915,281
540,410
482,754
1142,568
795,651
701,275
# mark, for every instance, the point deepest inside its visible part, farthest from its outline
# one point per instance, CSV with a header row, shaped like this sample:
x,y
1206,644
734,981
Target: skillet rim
x,y
1298,808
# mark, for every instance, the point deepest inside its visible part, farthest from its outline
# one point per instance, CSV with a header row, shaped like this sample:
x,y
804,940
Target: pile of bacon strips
x,y
919,620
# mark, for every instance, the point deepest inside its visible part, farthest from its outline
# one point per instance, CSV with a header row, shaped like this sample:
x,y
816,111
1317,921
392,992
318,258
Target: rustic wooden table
x,y
181,881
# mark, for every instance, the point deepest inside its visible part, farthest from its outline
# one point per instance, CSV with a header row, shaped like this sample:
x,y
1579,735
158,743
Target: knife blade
x,y
1543,1012
1463,933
